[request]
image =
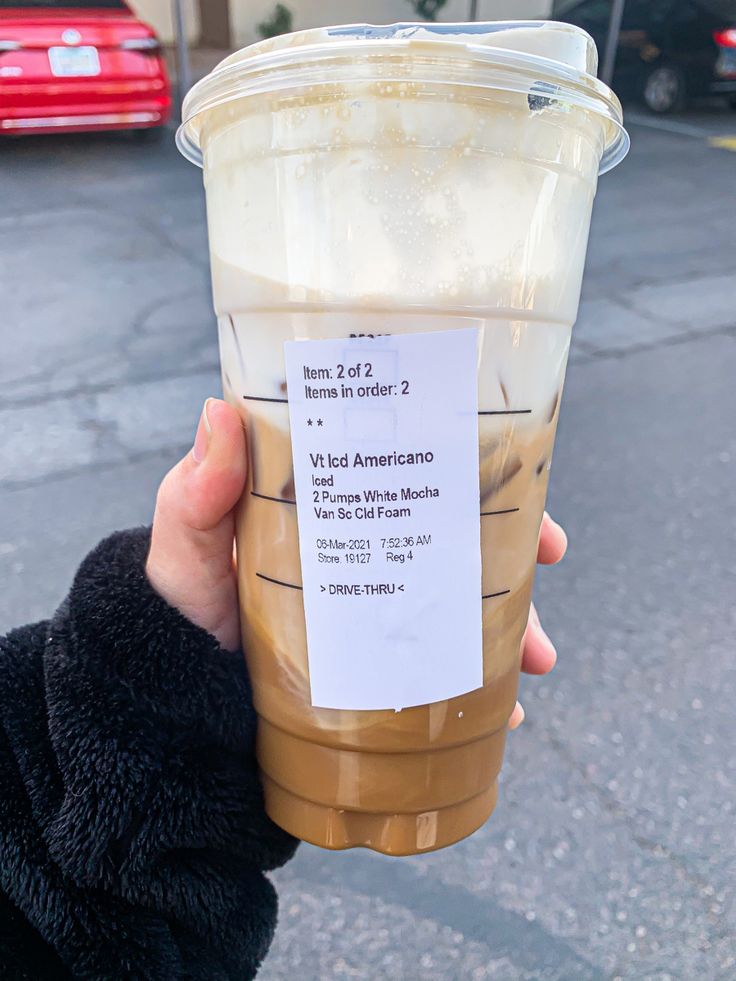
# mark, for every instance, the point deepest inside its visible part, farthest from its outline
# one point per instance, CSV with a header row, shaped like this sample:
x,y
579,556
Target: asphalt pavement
x,y
612,852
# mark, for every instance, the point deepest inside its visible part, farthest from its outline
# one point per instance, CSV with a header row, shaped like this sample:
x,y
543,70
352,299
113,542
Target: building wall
x,y
158,13
245,15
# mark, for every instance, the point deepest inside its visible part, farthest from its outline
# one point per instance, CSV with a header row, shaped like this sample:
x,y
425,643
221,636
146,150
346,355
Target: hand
x,y
538,655
191,563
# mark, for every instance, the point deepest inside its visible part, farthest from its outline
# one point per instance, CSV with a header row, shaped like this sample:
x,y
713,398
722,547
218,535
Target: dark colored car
x,y
668,49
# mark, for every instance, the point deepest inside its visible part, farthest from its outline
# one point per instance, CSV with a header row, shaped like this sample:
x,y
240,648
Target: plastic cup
x,y
377,183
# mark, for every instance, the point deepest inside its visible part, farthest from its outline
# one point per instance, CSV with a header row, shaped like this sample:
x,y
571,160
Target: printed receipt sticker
x,y
385,442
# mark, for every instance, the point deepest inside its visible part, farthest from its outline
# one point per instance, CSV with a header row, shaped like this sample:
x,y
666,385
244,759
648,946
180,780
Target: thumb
x,y
190,562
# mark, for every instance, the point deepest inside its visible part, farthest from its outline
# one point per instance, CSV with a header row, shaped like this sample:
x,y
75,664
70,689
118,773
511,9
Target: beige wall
x,y
246,14
157,13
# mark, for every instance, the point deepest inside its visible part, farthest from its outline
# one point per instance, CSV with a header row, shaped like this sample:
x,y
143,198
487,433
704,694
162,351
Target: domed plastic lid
x,y
549,61
562,43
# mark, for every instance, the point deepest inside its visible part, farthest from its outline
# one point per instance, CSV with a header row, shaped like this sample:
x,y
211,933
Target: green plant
x,y
281,21
427,9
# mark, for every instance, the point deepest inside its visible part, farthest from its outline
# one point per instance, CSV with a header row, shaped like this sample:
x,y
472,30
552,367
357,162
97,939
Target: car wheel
x,y
664,89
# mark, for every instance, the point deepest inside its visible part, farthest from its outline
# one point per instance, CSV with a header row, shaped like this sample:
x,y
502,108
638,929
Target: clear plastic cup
x,y
396,180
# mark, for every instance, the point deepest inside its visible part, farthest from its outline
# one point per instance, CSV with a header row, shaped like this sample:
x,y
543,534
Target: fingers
x,y
190,560
552,542
538,654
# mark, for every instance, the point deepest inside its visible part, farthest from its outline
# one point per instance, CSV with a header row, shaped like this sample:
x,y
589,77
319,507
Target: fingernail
x,y
517,716
202,439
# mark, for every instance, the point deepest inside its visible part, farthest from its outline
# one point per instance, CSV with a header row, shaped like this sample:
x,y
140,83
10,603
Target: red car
x,y
75,66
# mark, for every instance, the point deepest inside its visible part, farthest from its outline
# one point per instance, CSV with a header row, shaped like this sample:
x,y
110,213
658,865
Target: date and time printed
x,y
362,551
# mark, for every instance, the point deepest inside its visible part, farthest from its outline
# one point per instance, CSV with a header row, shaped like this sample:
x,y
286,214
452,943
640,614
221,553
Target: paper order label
x,y
384,436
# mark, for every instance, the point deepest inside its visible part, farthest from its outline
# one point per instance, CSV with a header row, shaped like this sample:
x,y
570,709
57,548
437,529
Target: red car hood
x,y
43,27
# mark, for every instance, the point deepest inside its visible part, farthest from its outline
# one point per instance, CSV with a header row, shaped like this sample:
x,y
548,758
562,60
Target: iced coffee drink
x,y
398,219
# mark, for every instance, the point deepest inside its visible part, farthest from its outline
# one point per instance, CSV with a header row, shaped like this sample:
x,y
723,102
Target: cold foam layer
x,y
368,183
493,190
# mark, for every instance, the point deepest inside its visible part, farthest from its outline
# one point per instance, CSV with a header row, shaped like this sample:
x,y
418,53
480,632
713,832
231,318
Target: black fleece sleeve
x,y
133,839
